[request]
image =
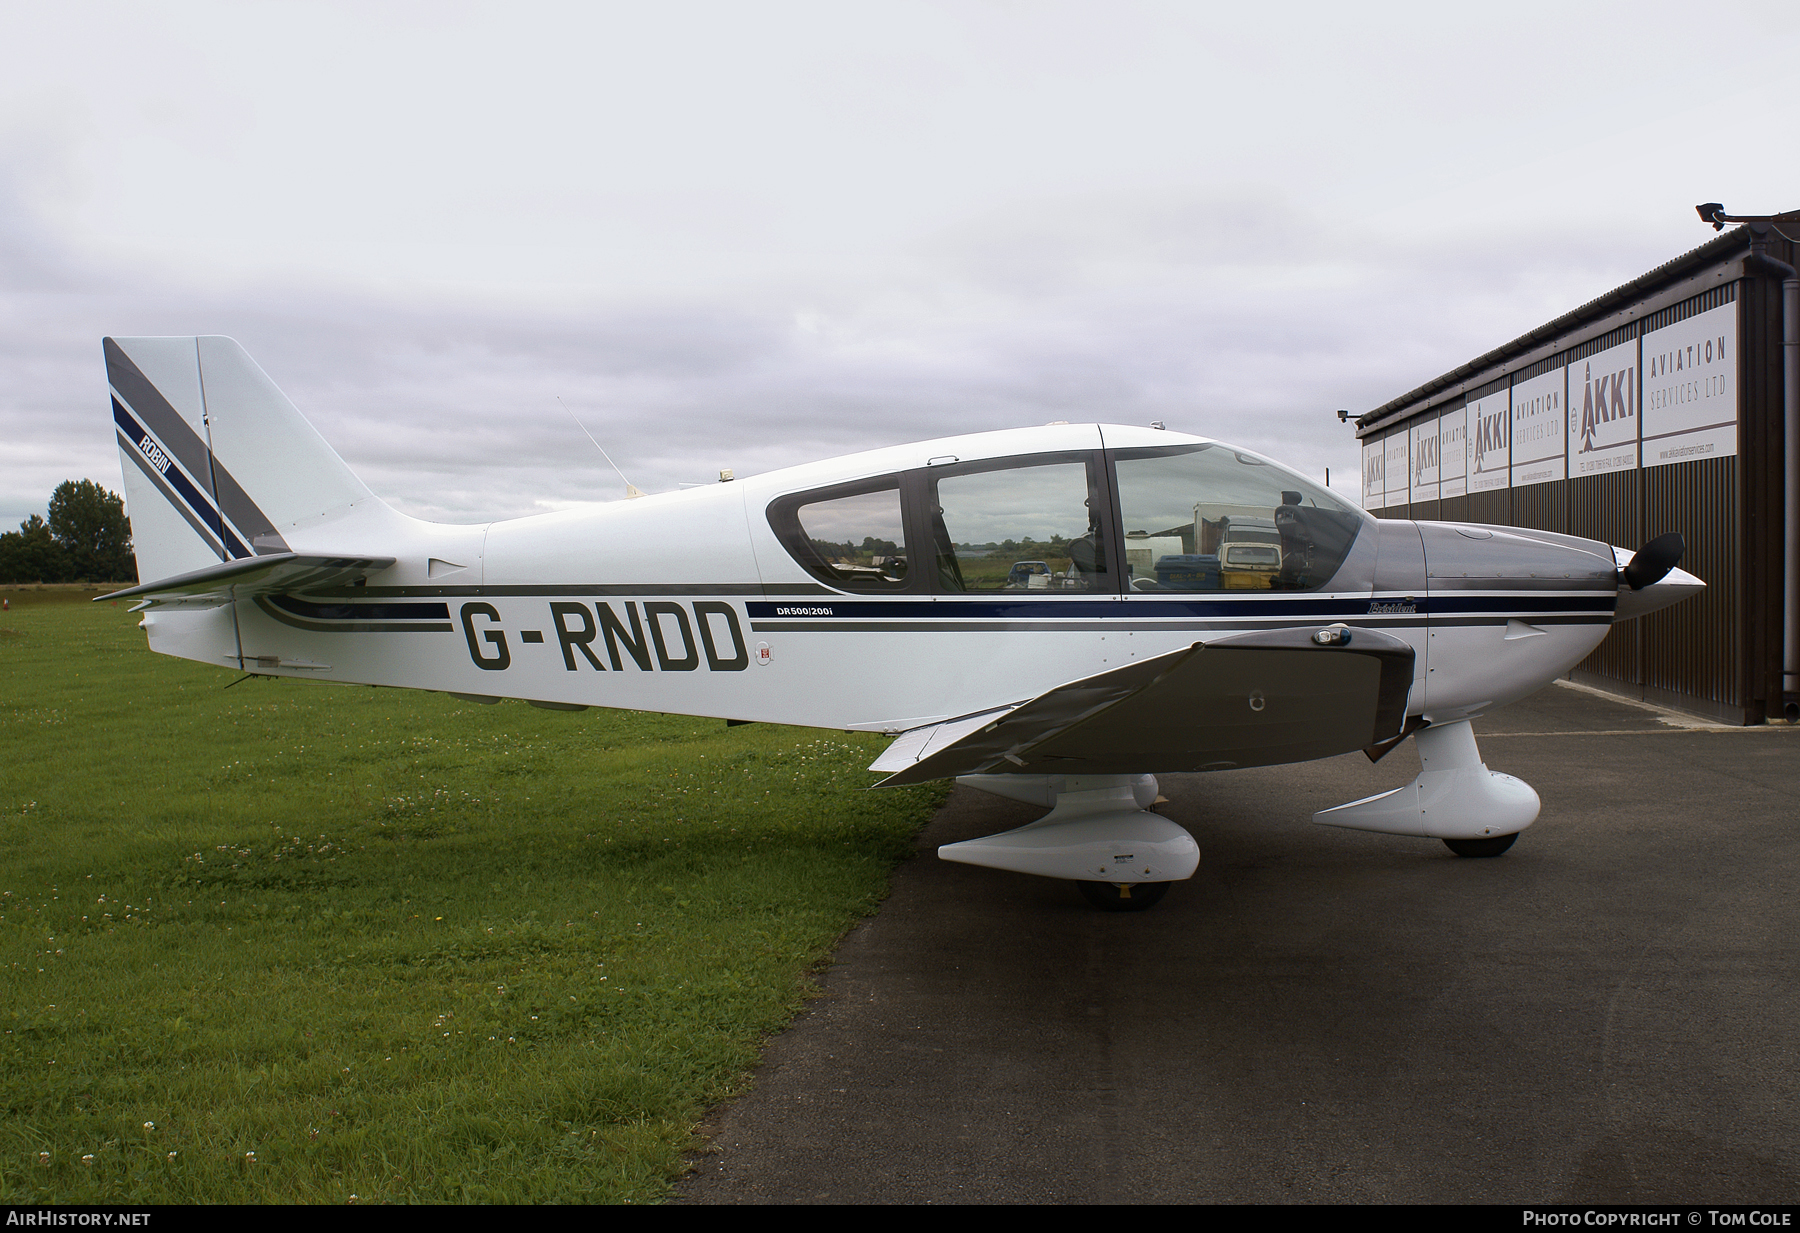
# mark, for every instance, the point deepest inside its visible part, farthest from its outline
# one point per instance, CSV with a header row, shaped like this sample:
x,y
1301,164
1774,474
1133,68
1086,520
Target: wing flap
x,y
1258,699
276,574
919,743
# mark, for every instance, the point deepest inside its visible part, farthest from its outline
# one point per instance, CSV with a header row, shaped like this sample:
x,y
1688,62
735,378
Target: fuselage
x,y
892,589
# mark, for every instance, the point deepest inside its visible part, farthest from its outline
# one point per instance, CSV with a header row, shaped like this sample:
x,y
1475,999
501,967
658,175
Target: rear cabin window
x,y
854,540
1211,518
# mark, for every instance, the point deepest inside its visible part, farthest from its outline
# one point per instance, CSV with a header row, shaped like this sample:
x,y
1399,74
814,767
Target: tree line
x,y
87,538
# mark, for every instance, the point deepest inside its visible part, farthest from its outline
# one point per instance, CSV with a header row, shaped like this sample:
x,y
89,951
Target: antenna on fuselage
x,y
631,490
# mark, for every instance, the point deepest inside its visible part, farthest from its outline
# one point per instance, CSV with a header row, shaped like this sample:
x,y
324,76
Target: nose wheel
x,y
1455,798
1123,897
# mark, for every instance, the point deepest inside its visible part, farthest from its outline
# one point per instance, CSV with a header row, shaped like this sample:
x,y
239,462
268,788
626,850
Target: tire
x,y
1137,897
1491,846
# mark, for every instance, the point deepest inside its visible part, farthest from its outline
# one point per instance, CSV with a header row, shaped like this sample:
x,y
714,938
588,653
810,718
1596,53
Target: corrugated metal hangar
x,y
1657,407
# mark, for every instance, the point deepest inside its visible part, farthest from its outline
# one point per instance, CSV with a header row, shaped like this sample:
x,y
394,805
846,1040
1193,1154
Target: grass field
x,y
295,942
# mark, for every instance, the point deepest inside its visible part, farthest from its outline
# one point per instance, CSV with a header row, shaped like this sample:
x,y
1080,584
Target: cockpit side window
x,y
852,536
1032,525
1211,518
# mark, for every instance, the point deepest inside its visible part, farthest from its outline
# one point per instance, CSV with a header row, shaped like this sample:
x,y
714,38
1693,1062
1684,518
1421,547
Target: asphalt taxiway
x,y
1607,1013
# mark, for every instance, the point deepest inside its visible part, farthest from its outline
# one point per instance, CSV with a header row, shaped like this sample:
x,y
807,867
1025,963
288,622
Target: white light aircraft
x,y
1053,614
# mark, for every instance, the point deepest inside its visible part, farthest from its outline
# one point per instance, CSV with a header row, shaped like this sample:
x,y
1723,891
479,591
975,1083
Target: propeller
x,y
1654,561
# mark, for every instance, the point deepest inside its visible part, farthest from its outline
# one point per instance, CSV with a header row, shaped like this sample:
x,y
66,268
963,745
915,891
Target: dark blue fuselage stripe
x,y
180,483
363,612
1604,601
1298,609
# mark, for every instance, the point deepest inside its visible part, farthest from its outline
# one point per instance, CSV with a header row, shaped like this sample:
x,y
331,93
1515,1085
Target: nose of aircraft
x,y
1469,556
1644,580
1558,594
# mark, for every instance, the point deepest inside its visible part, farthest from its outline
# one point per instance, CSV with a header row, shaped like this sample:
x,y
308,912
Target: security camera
x,y
1711,212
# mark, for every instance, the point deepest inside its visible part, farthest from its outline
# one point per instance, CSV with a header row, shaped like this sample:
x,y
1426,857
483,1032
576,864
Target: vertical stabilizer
x,y
219,465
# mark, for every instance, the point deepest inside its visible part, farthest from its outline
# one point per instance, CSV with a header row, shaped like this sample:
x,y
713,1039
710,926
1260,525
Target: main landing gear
x,y
1123,896
1097,834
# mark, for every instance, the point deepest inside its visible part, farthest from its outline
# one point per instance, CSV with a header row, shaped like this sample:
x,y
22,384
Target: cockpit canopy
x,y
1180,518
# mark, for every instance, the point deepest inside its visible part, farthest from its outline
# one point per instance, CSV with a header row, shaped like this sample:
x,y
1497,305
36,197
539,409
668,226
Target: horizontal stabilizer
x,y
1258,699
278,574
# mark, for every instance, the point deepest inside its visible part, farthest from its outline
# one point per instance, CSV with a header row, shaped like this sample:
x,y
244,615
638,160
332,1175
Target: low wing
x,y
1258,699
276,574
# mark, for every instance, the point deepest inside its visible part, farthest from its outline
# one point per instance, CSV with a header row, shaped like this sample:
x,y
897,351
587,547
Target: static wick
x,y
631,490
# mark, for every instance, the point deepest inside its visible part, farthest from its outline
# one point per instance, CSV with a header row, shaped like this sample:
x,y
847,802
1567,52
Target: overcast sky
x,y
750,235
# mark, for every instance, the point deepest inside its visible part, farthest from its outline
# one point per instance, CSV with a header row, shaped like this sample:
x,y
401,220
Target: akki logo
x,y
1490,438
1428,457
1604,401
1373,470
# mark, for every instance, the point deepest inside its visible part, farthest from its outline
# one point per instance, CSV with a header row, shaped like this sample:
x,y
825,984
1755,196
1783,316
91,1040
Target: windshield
x,y
1211,518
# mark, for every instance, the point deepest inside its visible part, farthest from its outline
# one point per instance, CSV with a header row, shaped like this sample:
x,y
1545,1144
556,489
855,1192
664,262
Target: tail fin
x,y
219,465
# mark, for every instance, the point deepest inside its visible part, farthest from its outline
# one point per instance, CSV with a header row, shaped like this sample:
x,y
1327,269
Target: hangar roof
x,y
1685,275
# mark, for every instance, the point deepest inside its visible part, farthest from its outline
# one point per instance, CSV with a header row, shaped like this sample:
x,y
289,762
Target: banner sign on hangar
x,y
1667,397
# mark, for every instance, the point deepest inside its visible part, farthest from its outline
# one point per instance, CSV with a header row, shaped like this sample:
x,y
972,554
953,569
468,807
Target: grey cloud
x,y
1232,319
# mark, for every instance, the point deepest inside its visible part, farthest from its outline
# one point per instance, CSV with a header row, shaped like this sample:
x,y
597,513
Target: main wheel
x,y
1492,846
1131,897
